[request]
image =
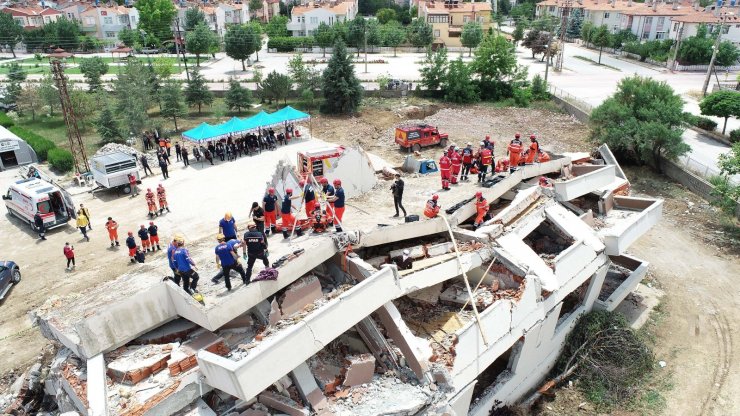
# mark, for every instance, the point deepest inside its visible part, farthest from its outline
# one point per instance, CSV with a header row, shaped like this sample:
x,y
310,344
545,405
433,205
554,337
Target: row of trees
x,y
64,33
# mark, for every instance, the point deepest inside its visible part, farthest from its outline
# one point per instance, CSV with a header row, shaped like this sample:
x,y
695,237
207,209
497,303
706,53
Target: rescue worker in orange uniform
x,y
338,200
112,228
309,197
162,197
481,209
543,157
456,159
534,149
445,169
514,151
286,214
432,208
151,205
502,165
328,192
269,205
486,161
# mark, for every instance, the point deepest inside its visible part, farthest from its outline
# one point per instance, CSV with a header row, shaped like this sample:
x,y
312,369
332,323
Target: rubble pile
x,y
385,394
116,147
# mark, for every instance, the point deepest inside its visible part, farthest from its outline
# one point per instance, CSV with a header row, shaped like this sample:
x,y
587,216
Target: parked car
x,y
10,274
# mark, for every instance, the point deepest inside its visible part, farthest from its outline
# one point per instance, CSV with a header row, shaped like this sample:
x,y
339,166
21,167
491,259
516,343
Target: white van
x,y
27,196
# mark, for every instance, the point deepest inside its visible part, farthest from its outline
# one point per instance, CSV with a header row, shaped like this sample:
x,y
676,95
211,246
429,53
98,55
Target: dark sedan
x,y
10,274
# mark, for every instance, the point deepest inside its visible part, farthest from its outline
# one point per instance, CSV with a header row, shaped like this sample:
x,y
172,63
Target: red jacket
x,y
467,156
445,163
456,159
68,252
486,157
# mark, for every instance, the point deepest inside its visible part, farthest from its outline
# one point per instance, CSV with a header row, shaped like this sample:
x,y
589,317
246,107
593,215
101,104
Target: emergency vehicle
x,y
318,162
28,196
414,137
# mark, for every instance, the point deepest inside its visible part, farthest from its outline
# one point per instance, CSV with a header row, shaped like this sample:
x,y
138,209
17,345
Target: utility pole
x,y
722,19
76,147
551,29
678,45
364,30
177,47
565,14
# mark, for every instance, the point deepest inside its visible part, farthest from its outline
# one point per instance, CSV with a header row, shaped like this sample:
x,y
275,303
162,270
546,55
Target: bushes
x,y
703,123
289,44
61,159
657,50
735,136
40,145
6,121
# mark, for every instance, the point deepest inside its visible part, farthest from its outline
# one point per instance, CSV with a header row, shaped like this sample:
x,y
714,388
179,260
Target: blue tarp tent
x,y
203,132
261,120
289,114
235,125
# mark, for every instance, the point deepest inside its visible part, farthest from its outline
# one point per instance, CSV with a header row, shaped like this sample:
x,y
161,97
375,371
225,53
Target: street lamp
x,y
723,16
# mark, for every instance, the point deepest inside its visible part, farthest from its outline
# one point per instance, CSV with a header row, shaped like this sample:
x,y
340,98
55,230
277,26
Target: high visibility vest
x,y
432,209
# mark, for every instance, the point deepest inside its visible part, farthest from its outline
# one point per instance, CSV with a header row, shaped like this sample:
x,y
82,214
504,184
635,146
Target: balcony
x,y
628,220
623,276
583,179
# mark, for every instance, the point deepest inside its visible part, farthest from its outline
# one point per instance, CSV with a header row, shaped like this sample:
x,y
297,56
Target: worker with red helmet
x,y
456,159
467,160
488,143
153,235
543,157
486,161
481,209
338,200
534,149
162,196
514,150
328,192
309,197
269,205
432,208
151,205
445,168
286,214
502,165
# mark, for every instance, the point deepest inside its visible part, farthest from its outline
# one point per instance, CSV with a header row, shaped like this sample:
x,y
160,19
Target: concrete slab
x,y
97,387
360,370
301,293
587,179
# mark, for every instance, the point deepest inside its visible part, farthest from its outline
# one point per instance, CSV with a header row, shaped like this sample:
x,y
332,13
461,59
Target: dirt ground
x,y
691,256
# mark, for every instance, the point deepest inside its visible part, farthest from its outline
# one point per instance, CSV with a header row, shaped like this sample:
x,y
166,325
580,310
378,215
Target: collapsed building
x,y
476,322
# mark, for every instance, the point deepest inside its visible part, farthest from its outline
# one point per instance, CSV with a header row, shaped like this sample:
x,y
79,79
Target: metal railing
x,y
701,169
570,98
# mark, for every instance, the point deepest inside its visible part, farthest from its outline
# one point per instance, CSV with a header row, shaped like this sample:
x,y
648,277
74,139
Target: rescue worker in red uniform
x,y
514,151
486,161
269,205
286,214
162,196
502,165
543,157
338,201
467,160
445,167
488,143
151,205
450,151
481,209
309,197
432,208
534,149
456,160
328,192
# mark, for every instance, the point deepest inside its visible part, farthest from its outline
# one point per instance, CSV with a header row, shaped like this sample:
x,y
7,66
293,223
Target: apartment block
x,y
306,18
448,17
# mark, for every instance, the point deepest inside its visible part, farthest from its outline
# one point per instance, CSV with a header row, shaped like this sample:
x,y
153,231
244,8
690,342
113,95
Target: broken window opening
x,y
548,241
496,373
573,301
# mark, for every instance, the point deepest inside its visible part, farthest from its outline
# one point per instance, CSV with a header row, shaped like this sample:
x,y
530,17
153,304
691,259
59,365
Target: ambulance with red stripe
x,y
28,196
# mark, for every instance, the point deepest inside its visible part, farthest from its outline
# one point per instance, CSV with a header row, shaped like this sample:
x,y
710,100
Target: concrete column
x,y
402,336
97,388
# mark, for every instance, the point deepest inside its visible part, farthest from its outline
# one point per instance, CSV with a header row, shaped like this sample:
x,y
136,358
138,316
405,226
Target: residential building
x,y
270,9
218,16
688,25
306,18
105,22
31,17
448,17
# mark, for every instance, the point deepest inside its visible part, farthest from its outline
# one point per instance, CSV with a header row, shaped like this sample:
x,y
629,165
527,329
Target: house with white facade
x,y
688,25
218,16
305,19
32,17
106,22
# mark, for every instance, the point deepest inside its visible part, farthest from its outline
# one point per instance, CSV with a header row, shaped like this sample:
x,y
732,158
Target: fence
x,y
570,98
701,169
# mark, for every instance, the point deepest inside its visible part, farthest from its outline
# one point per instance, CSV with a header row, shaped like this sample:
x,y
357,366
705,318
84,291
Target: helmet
x,y
271,191
130,233
337,182
517,135
151,222
148,189
457,148
198,297
435,197
288,191
532,136
302,183
488,137
220,237
482,143
324,181
479,194
251,224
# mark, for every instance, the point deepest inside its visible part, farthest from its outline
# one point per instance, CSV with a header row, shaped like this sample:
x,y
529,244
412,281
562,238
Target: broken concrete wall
x,y
355,170
589,181
620,236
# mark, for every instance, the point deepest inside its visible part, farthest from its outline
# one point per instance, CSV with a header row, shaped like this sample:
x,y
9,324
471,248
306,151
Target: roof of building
x,y
339,8
439,7
627,7
703,17
30,11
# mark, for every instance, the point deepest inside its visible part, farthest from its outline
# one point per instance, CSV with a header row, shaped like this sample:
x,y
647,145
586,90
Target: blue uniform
x,y
286,206
224,252
329,190
308,193
339,193
270,201
130,242
228,227
171,255
183,262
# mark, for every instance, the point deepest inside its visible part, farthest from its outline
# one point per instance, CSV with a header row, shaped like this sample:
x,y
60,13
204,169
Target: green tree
x,y
472,35
11,32
385,15
723,104
532,40
341,88
357,30
504,7
30,101
622,37
171,101
374,37
85,106
303,76
420,33
197,92
277,27
93,69
307,99
729,163
518,34
601,38
63,33
164,67
587,31
324,36
200,41
16,75
133,96
642,121
193,17
575,22
727,54
458,86
434,69
108,128
49,94
496,67
393,35
255,5
539,88
255,38
90,44
237,43
237,97
275,86
156,17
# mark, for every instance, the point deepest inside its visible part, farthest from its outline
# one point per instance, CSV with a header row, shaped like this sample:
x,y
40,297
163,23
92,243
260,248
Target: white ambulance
x,y
28,196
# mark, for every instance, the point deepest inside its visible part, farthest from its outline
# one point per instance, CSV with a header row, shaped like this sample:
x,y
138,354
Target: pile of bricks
x,y
184,357
141,409
136,375
133,364
79,386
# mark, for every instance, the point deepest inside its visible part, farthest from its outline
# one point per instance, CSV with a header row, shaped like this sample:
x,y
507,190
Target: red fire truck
x,y
415,136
